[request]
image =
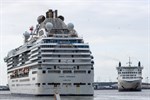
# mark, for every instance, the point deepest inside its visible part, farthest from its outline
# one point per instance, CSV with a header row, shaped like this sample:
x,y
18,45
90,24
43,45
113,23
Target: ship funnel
x,y
55,13
139,64
119,64
49,14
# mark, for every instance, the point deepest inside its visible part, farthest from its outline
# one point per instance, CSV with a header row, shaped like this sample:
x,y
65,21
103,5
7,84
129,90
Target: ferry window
x,y
44,71
73,60
89,83
43,83
59,60
77,67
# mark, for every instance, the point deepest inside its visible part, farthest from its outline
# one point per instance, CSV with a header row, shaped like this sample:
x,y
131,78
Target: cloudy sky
x,y
115,30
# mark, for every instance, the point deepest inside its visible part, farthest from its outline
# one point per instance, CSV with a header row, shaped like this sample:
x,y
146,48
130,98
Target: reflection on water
x,y
98,95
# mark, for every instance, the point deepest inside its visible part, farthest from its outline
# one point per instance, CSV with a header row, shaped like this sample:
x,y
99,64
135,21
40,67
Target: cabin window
x,y
55,84
54,71
38,84
34,72
139,72
80,71
43,83
66,83
33,78
79,84
54,67
67,71
89,72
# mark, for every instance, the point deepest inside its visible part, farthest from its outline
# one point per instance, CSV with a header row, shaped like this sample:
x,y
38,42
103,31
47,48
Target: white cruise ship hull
x,y
124,85
47,91
29,86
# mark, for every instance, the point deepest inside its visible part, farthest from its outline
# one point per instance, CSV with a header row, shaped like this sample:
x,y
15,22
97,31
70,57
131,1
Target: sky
x,y
114,29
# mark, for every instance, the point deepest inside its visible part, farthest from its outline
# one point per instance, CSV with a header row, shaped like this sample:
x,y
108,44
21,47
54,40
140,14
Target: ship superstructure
x,y
129,77
52,59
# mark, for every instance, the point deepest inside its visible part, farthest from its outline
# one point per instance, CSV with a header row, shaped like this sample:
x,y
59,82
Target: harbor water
x,y
98,95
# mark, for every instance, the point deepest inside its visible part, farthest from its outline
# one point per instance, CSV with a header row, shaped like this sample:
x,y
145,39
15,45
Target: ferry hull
x,y
124,85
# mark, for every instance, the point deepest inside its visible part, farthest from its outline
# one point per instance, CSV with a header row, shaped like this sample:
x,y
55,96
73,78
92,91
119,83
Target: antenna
x,y
129,62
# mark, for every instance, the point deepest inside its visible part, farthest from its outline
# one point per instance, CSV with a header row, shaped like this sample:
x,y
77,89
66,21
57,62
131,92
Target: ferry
x,y
129,77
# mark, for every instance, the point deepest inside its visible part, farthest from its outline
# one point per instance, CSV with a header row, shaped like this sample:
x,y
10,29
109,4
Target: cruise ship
x,y
52,59
129,77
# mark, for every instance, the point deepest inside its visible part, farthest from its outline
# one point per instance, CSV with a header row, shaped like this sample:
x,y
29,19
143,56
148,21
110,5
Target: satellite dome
x,y
70,26
26,35
40,19
48,26
61,17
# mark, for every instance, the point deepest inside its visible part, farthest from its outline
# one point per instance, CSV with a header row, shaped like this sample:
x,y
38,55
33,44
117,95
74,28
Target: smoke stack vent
x,y
139,64
55,13
119,64
49,14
